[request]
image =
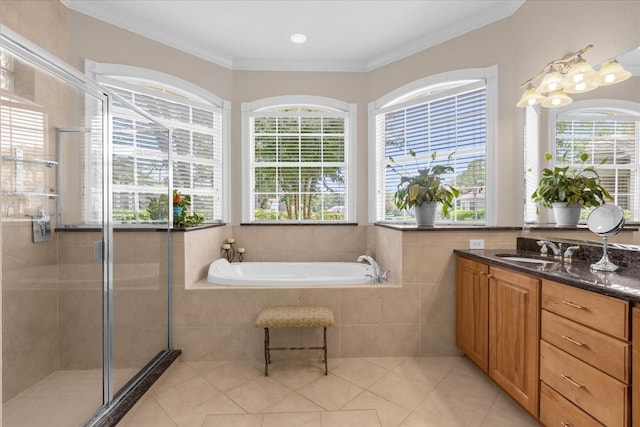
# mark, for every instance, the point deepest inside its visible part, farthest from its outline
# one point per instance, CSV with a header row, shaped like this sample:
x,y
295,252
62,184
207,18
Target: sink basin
x,y
527,260
516,258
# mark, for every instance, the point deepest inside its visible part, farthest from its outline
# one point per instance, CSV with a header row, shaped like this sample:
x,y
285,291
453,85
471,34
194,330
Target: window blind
x,y
604,135
143,155
531,161
448,123
299,166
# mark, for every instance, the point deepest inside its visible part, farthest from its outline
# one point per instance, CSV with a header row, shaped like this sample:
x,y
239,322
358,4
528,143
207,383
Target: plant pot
x,y
426,214
566,215
177,211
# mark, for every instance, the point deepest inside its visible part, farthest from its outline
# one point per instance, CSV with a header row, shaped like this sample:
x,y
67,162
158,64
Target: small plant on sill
x,y
181,215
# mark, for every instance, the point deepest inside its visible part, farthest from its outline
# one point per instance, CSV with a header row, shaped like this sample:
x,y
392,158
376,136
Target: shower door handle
x,y
98,250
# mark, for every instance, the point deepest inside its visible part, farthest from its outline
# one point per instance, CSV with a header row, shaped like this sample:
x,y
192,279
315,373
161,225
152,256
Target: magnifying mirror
x,y
605,220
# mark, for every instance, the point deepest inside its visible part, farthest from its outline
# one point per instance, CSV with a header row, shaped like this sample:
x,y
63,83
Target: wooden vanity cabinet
x,y
585,355
635,376
514,307
561,352
472,315
498,327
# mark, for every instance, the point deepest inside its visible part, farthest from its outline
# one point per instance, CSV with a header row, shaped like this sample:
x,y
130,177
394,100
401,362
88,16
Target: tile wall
x,y
30,308
29,288
415,319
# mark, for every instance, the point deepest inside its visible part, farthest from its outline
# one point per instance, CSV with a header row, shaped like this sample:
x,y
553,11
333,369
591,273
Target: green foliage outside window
x,y
309,157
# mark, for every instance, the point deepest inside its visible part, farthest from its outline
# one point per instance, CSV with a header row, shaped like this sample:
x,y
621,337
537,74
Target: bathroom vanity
x,y
552,333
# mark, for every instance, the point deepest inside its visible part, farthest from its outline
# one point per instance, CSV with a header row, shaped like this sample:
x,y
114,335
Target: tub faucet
x,y
378,277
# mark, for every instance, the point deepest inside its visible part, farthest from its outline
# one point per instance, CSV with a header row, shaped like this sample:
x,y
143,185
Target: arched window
x,y
451,114
604,129
296,160
194,158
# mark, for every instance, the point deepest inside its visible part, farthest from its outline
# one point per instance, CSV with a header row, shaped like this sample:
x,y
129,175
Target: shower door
x,y
52,141
141,251
85,266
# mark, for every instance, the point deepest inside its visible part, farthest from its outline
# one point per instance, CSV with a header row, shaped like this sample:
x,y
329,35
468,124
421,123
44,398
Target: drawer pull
x,y
570,304
565,424
571,340
573,383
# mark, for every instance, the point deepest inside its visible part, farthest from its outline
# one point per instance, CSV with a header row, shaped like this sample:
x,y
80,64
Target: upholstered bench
x,y
296,316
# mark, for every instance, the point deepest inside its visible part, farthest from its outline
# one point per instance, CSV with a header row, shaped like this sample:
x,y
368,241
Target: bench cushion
x,y
296,316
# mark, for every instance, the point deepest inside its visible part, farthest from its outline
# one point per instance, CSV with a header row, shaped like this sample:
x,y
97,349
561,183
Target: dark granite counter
x,y
623,284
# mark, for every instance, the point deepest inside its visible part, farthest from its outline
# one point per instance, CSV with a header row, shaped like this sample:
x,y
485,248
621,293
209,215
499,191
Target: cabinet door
x,y
635,380
514,308
472,317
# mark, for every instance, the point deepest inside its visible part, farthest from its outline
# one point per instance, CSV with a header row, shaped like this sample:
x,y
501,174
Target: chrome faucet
x,y
569,252
378,277
557,250
544,244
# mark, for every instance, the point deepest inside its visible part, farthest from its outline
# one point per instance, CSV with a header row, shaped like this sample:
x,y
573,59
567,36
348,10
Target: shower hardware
x,y
41,227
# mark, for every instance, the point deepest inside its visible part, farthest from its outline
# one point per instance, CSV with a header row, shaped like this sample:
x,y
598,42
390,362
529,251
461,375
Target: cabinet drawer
x,y
606,314
607,354
603,397
555,410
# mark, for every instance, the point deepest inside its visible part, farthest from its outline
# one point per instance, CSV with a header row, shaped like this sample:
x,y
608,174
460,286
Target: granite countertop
x,y
623,284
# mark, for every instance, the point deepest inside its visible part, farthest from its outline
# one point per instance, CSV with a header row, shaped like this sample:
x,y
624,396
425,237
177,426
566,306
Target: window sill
x,y
260,224
137,227
444,227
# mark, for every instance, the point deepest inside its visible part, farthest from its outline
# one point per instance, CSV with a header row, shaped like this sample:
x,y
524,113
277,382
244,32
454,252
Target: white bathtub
x,y
287,274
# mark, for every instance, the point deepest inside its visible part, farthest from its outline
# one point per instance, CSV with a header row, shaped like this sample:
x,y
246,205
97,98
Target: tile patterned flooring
x,y
66,398
358,392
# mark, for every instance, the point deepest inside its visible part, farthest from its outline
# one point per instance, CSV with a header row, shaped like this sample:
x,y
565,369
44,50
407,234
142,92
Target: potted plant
x,y
181,215
425,190
567,190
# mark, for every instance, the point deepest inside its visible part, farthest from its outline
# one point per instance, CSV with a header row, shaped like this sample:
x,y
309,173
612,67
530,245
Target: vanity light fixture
x,y
570,74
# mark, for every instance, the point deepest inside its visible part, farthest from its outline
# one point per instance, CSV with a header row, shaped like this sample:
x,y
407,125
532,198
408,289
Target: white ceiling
x,y
343,35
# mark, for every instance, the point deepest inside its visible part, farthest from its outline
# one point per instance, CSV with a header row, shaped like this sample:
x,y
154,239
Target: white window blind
x,y
298,164
604,134
453,121
531,161
26,180
144,152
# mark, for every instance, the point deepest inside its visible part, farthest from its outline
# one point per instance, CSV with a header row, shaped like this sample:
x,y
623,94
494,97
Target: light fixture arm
x,y
562,65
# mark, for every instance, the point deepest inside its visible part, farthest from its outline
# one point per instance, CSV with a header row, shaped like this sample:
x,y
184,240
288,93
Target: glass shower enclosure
x,y
85,307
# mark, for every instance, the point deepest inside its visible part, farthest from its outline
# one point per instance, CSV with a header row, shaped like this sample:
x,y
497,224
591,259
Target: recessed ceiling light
x,y
298,38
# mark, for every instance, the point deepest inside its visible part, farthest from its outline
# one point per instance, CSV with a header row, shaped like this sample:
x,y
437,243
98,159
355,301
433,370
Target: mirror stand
x,y
605,220
604,264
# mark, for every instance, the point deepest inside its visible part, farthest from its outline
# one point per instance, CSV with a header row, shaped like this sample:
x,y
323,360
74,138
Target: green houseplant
x,y
425,190
570,188
181,215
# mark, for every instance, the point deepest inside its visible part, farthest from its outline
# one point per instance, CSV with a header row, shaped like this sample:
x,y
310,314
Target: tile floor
x,y
66,398
358,392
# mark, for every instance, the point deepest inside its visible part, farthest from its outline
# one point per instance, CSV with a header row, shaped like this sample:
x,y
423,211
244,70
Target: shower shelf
x,y
19,185
30,193
47,163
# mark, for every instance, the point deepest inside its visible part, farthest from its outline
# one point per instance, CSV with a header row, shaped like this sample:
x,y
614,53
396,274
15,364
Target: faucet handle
x,y
385,276
543,247
569,252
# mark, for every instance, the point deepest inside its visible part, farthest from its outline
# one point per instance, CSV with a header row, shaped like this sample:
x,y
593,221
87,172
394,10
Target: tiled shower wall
x,y
30,308
28,285
53,313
